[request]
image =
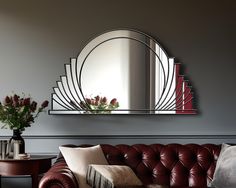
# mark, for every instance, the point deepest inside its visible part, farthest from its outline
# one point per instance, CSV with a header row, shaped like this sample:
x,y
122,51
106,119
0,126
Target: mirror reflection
x,y
122,72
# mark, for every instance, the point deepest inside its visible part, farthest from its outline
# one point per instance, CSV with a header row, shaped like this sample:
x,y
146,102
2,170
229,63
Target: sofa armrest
x,y
58,176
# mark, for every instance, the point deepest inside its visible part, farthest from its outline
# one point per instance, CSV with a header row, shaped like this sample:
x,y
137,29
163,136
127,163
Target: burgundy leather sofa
x,y
174,165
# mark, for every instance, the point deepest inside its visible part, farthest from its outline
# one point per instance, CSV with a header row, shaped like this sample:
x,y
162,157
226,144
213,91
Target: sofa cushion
x,y
79,158
225,172
110,176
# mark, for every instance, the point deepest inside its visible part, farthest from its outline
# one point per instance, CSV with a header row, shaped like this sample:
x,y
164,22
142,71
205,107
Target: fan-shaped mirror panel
x,y
122,72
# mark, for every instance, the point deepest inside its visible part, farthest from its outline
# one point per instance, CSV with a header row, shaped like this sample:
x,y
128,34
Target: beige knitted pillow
x,y
110,176
78,160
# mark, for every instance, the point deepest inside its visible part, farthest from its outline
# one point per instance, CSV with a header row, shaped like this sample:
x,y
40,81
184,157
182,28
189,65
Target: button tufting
x,y
157,157
122,157
173,164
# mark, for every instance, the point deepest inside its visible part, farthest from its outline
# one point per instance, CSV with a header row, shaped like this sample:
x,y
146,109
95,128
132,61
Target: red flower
x,y
16,100
21,102
88,100
26,101
44,104
97,98
113,102
8,100
92,101
104,99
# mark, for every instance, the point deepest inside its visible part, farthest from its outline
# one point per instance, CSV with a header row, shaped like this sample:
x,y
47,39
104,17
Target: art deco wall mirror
x,y
122,72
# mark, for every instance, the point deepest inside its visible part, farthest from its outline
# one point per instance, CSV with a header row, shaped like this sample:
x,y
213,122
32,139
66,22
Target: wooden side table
x,y
37,164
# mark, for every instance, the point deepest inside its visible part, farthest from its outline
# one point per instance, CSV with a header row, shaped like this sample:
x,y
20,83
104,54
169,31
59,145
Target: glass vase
x,y
16,138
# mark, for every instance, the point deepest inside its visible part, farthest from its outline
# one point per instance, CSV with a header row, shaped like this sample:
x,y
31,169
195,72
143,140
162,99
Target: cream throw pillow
x,y
78,160
110,176
225,171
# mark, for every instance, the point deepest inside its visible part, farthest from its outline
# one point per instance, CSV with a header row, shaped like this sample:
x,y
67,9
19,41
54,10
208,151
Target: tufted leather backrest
x,y
175,165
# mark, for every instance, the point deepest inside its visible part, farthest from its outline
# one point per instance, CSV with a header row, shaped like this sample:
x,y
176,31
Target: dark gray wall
x,y
38,37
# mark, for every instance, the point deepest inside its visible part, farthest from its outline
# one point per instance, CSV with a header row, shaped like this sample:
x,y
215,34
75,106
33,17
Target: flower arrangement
x,y
19,112
100,105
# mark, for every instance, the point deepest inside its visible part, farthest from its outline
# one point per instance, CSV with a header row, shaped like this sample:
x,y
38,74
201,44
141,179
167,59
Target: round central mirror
x,y
118,69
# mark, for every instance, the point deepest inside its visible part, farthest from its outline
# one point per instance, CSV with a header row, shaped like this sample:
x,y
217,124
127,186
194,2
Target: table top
x,y
35,165
33,157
